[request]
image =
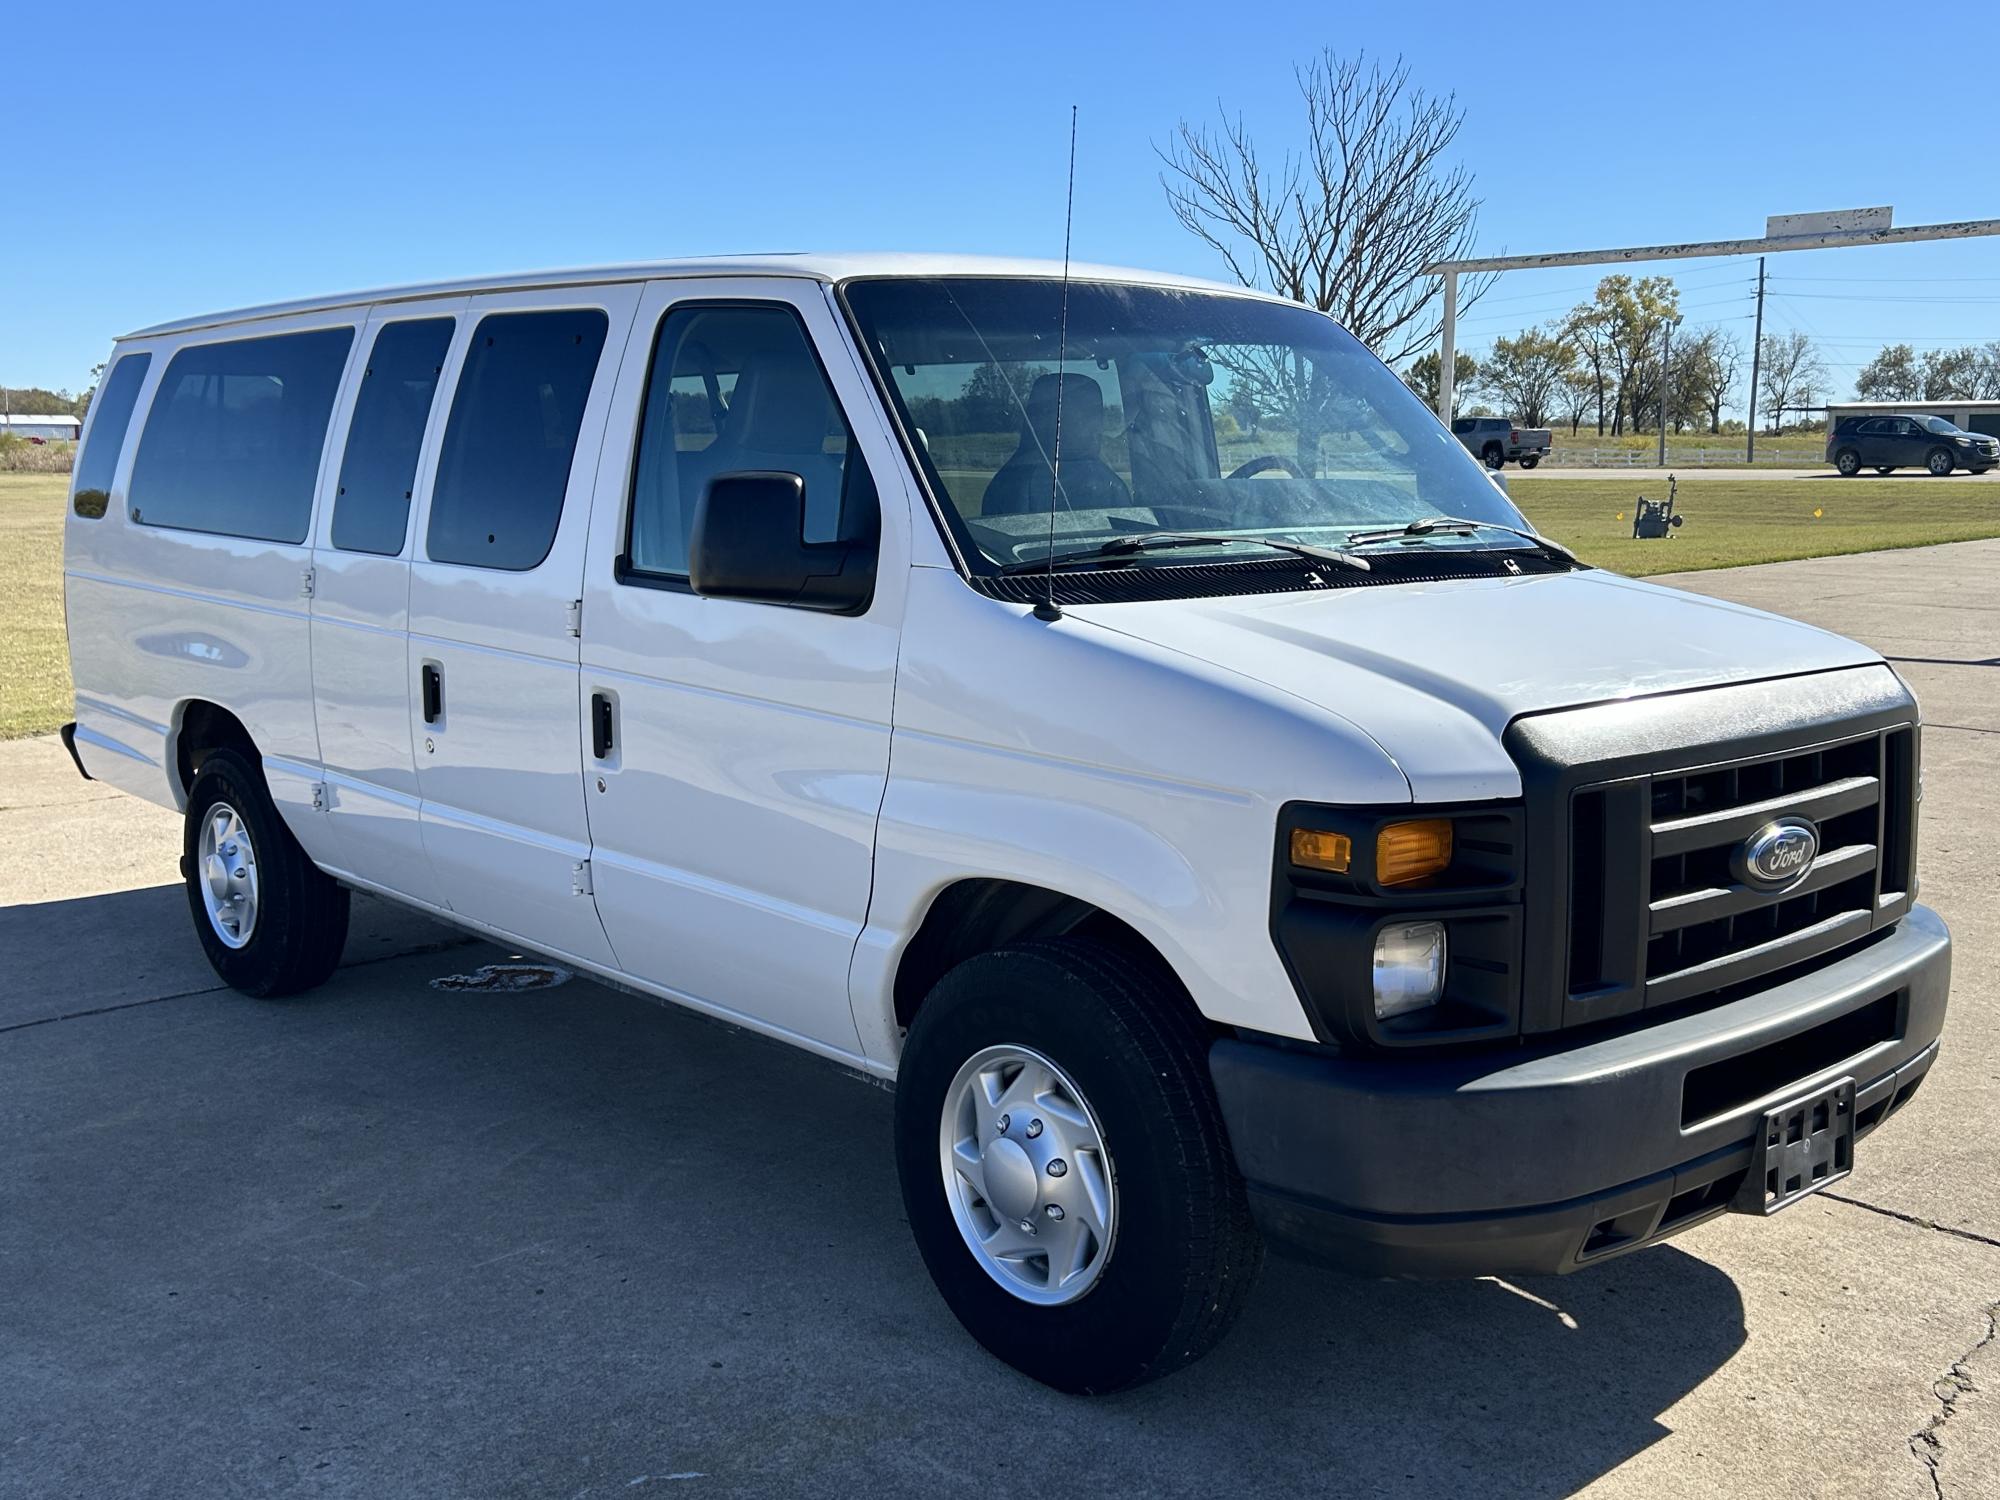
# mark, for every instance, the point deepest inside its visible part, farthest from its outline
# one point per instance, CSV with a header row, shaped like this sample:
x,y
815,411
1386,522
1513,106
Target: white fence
x,y
1564,456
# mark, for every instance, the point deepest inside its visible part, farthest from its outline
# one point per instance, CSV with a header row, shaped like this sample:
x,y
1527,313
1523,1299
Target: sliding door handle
x,y
600,726
433,693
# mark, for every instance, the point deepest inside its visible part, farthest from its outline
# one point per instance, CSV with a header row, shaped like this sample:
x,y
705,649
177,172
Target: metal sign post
x,y
1855,226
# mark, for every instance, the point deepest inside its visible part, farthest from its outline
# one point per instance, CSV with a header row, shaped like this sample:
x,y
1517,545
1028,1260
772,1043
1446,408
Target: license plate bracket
x,y
1802,1145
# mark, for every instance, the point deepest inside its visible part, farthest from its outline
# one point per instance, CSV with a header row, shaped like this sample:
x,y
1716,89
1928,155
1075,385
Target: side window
x,y
504,467
98,463
371,509
233,441
733,388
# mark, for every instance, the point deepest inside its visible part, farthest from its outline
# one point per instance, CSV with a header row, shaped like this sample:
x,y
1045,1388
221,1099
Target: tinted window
x,y
371,509
736,388
505,463
233,441
98,463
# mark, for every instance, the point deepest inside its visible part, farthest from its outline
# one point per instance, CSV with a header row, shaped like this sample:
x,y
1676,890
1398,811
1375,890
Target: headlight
x,y
1409,968
1963,442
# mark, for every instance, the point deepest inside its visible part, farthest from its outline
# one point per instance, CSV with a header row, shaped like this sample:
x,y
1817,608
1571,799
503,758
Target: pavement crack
x,y
1926,1443
1913,1219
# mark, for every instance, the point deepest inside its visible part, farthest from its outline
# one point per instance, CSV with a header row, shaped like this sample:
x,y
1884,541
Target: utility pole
x,y
1756,354
1448,358
1667,327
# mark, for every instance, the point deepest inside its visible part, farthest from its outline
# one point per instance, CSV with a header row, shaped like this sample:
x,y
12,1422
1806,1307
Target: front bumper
x,y
1552,1156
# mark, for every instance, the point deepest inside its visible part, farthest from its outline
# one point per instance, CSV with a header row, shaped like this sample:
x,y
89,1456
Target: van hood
x,y
1434,672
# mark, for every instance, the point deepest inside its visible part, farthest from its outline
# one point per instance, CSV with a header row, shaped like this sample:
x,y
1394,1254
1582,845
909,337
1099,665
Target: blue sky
x,y
194,156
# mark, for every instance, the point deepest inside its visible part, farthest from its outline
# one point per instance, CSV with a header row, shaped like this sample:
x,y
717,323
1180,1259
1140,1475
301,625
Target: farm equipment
x,y
1656,518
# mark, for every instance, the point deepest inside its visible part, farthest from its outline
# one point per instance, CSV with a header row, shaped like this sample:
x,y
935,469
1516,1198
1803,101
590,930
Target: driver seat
x,y
1022,485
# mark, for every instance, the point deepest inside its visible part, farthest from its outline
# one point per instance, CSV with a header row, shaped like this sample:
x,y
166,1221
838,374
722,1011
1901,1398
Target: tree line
x,y
1610,363
1968,373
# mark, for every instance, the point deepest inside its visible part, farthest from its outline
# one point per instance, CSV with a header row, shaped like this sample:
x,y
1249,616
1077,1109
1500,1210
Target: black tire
x,y
1939,461
300,925
1493,456
1529,460
1183,1252
1848,462
1885,468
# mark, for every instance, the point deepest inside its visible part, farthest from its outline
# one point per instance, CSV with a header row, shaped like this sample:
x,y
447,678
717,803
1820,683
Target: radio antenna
x,y
1047,609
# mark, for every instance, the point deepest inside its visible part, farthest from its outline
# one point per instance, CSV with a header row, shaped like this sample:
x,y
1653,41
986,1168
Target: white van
x,y
1116,711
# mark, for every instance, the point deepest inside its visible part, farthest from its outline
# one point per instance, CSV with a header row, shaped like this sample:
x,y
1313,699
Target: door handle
x,y
600,726
433,693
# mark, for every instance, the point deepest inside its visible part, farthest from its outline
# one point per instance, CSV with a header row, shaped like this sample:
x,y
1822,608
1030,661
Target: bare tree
x,y
1714,361
1791,370
1347,222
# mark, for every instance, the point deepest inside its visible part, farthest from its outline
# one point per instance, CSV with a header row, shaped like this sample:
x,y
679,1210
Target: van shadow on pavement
x,y
383,1239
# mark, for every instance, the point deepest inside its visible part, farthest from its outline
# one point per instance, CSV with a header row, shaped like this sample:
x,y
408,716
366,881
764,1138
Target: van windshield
x,y
1183,411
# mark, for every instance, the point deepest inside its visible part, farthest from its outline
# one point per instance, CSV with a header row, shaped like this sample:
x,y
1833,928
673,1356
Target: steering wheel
x,y
1263,463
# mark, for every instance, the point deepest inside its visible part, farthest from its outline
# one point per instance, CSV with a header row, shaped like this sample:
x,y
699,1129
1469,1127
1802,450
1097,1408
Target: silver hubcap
x,y
228,875
1027,1176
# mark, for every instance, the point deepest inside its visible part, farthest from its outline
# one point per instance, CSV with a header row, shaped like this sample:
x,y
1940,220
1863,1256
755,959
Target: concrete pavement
x,y
387,1240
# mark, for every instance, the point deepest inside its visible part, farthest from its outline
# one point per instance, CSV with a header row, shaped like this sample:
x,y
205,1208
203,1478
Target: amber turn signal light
x,y
1407,852
1312,850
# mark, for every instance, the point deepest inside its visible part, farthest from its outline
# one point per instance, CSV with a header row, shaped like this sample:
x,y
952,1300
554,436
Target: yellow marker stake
x,y
1817,512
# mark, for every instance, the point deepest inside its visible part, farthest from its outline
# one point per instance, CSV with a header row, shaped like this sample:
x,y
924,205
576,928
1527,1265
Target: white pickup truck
x,y
1213,847
1495,440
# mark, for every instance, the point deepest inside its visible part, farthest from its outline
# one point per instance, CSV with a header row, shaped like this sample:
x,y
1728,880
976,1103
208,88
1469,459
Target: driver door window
x,y
736,388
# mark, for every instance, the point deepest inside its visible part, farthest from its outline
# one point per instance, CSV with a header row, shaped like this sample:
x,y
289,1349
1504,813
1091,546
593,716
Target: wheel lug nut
x,y
1003,1122
1057,1167
1034,1129
1027,1226
1056,1212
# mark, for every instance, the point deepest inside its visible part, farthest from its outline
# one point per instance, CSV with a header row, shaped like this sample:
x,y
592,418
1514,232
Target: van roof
x,y
828,268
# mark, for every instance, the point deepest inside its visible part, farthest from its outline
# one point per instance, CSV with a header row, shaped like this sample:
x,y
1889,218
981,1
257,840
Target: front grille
x,y
1672,834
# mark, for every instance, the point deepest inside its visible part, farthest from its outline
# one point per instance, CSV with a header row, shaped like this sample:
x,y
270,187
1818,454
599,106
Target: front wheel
x,y
1939,462
270,921
1493,457
1065,1168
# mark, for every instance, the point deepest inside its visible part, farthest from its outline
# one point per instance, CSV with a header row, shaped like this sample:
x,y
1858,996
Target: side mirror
x,y
749,543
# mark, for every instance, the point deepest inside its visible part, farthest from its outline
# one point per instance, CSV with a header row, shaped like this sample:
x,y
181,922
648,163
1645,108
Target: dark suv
x,y
1896,442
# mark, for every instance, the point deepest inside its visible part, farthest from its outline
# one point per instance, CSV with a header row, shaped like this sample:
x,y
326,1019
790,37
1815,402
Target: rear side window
x,y
371,508
736,388
504,467
98,464
233,442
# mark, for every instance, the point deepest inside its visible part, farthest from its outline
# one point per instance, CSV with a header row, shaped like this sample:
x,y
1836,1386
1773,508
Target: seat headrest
x,y
780,405
1082,413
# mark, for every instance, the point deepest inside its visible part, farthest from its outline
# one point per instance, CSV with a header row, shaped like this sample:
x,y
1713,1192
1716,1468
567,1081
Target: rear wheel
x,y
1529,460
1065,1168
1885,468
1939,461
1848,462
270,921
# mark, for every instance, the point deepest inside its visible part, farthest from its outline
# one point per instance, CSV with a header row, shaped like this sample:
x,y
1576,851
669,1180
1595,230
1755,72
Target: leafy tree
x,y
1422,375
1527,375
1890,376
1949,374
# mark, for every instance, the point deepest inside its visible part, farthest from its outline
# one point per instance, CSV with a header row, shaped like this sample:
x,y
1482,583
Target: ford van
x,y
1107,707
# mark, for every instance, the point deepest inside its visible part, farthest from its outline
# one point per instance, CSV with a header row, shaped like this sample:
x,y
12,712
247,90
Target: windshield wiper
x,y
1162,541
1457,526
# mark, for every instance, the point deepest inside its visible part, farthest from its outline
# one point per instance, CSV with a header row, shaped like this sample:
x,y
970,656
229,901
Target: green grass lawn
x,y
1733,522
1729,523
34,660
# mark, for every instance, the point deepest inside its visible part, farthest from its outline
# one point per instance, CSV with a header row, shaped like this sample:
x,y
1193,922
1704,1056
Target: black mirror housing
x,y
749,543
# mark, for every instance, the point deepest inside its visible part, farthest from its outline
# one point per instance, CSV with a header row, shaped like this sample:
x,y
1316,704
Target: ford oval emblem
x,y
1777,855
